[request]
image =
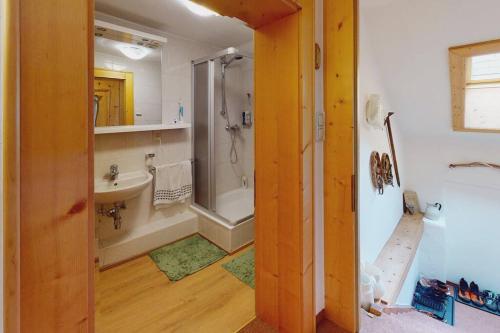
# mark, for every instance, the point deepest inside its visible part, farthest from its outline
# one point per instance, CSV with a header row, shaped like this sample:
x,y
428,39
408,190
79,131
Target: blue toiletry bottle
x,y
181,112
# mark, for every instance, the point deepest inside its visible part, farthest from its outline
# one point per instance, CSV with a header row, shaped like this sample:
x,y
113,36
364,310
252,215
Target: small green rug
x,y
185,257
243,267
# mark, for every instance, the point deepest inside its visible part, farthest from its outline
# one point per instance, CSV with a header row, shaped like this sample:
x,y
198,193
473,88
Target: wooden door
x,y
111,103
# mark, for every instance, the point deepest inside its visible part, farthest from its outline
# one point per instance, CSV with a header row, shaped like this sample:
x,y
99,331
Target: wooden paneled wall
x,y
55,171
340,49
307,107
11,189
284,75
255,13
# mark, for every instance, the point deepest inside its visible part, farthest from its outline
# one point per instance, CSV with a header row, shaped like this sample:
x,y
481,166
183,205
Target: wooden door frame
x,y
340,163
11,144
128,79
287,262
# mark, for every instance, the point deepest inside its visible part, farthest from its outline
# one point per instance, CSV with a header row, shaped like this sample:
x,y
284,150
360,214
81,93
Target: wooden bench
x,y
397,256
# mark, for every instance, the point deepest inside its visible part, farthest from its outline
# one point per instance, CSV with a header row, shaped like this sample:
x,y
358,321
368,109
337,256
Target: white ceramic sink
x,y
125,187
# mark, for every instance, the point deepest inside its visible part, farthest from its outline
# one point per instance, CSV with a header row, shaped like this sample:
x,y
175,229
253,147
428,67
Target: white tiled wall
x,y
128,149
239,82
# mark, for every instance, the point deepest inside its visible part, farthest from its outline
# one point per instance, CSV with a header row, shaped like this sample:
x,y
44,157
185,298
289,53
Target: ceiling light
x,y
198,9
134,52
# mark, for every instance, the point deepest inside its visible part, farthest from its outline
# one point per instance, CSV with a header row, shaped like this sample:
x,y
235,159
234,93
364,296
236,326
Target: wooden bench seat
x,y
397,256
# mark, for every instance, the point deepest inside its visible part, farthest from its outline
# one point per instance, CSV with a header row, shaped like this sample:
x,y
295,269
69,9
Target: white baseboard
x,y
146,238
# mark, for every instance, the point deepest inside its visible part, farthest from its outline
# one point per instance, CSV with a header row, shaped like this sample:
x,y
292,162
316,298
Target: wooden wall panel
x,y
11,189
284,237
90,173
266,175
56,195
341,279
255,13
307,87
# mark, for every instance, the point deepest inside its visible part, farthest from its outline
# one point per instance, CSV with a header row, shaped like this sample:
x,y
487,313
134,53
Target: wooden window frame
x,y
460,63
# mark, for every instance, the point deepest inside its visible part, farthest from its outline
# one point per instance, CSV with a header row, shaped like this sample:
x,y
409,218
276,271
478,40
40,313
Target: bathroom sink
x,y
125,187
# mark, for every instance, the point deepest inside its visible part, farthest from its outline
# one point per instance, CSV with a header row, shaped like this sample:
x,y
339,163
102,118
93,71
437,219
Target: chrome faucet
x,y
113,171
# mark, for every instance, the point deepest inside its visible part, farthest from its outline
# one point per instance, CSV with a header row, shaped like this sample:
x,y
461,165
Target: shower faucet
x,y
233,128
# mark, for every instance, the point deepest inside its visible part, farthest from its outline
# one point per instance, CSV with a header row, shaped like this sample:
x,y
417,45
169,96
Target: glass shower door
x,y
203,134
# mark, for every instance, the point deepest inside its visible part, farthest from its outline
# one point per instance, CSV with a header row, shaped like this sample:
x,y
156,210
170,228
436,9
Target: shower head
x,y
229,58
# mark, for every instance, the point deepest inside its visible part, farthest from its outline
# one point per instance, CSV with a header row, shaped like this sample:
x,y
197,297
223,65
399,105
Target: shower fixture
x,y
233,129
219,85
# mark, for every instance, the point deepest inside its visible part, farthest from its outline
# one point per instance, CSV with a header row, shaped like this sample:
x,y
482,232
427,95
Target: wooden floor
x,y
137,297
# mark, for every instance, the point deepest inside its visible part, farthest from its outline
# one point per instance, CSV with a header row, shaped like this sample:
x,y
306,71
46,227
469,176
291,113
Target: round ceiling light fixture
x,y
135,52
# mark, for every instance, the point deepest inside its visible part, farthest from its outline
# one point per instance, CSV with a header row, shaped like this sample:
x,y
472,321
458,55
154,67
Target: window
x,y
475,83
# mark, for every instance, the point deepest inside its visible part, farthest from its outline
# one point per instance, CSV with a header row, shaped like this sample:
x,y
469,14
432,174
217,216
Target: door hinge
x,y
317,56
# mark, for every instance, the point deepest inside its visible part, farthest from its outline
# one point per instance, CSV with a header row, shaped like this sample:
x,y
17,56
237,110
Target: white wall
x,y
378,214
128,149
239,82
410,41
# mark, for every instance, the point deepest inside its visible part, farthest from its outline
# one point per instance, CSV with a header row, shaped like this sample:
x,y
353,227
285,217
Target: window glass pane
x,y
485,67
482,106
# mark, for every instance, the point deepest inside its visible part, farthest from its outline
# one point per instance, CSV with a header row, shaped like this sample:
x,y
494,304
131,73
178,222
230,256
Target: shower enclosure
x,y
223,136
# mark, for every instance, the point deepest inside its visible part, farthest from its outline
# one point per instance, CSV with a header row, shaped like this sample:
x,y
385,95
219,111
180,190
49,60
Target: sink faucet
x,y
113,171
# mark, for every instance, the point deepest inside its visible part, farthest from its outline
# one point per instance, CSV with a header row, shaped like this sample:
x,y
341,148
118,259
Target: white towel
x,y
173,183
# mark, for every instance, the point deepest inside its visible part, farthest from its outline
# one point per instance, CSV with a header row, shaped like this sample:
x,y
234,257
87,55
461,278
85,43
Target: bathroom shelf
x,y
139,128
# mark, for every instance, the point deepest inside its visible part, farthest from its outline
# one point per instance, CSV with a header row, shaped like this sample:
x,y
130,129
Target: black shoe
x,y
464,291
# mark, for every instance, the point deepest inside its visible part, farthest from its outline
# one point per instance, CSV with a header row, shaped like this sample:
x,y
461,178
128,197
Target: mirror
x,y
127,76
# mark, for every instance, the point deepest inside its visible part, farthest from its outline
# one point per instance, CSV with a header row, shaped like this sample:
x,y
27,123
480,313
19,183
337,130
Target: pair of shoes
x,y
436,284
491,301
470,294
430,297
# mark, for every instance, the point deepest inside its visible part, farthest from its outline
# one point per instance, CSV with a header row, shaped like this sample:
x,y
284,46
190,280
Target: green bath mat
x,y
185,257
243,267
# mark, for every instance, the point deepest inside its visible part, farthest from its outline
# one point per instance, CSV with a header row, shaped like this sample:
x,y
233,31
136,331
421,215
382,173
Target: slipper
x,y
490,300
464,291
475,296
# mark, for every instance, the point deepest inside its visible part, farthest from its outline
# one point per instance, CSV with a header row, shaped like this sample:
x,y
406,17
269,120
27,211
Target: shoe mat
x,y
483,308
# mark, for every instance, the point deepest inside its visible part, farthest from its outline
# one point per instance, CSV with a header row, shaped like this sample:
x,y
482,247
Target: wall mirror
x,y
128,82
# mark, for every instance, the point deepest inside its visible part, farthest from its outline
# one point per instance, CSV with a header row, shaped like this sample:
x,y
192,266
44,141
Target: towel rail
x,y
152,171
474,165
152,168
